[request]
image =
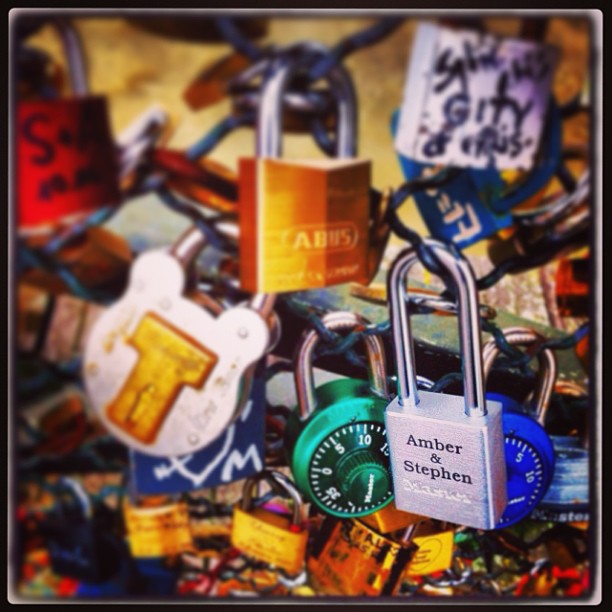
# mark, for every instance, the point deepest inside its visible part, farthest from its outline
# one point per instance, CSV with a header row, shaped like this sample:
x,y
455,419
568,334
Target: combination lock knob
x,y
362,475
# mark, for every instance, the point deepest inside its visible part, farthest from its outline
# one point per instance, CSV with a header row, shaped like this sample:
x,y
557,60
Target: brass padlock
x,y
354,559
303,224
158,530
447,452
276,539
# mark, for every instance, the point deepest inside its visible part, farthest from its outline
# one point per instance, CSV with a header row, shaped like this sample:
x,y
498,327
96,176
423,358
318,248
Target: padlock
x,y
530,457
66,163
79,536
262,534
165,376
435,547
354,559
303,224
573,287
567,499
157,530
447,451
335,442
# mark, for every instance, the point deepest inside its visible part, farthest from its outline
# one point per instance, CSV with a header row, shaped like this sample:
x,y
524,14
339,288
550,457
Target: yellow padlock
x,y
259,533
390,519
356,560
158,531
434,552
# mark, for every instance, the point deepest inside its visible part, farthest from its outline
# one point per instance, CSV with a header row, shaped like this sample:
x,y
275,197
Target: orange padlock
x,y
303,224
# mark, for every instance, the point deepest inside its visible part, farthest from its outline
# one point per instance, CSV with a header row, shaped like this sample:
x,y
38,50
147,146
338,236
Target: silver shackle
x,y
277,480
303,375
547,362
464,284
269,118
73,49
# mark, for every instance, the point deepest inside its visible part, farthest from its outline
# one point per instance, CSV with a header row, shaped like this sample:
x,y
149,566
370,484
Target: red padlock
x,y
66,159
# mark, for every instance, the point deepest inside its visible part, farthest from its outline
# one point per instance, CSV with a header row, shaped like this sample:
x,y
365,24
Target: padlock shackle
x,y
263,303
188,245
303,374
277,481
547,362
73,49
269,122
464,287
79,493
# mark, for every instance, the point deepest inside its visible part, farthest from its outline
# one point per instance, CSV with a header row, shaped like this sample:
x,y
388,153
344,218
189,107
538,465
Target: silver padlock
x,y
166,376
447,451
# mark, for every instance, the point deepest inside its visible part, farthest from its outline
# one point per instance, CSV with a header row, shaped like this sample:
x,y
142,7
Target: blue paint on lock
x,y
473,205
529,452
530,465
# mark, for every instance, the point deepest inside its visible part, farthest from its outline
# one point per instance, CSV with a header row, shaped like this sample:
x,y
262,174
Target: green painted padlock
x,y
336,440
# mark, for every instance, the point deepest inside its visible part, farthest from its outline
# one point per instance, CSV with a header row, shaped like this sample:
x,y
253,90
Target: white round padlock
x,y
164,375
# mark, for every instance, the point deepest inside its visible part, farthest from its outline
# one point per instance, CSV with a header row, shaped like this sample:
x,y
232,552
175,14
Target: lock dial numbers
x,y
527,479
349,471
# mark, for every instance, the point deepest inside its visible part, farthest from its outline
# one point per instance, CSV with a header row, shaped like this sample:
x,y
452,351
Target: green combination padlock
x,y
336,440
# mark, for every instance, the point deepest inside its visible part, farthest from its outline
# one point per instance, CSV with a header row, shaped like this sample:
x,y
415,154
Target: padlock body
x,y
303,224
66,163
445,464
158,531
339,456
164,375
356,560
530,462
266,536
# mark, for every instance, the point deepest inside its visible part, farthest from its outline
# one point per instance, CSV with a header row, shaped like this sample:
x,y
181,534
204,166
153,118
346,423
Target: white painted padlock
x,y
166,376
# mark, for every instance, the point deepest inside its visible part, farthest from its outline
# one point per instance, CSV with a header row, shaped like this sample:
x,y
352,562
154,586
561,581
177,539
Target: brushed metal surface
x,y
461,473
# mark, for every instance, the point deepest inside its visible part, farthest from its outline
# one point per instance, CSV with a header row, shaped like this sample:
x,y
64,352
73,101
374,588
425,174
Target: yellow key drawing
x,y
169,360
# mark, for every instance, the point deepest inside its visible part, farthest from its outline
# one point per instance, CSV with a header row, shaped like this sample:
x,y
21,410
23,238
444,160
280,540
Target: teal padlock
x,y
336,440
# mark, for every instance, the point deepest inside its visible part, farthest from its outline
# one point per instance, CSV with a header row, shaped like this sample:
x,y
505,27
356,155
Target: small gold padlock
x,y
355,560
158,530
390,519
435,542
264,535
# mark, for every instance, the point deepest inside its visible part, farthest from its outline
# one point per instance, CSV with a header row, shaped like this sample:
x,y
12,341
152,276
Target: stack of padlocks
x,y
162,448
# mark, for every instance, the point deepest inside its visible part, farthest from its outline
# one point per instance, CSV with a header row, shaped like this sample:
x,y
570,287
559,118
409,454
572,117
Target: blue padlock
x,y
476,203
567,499
530,454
